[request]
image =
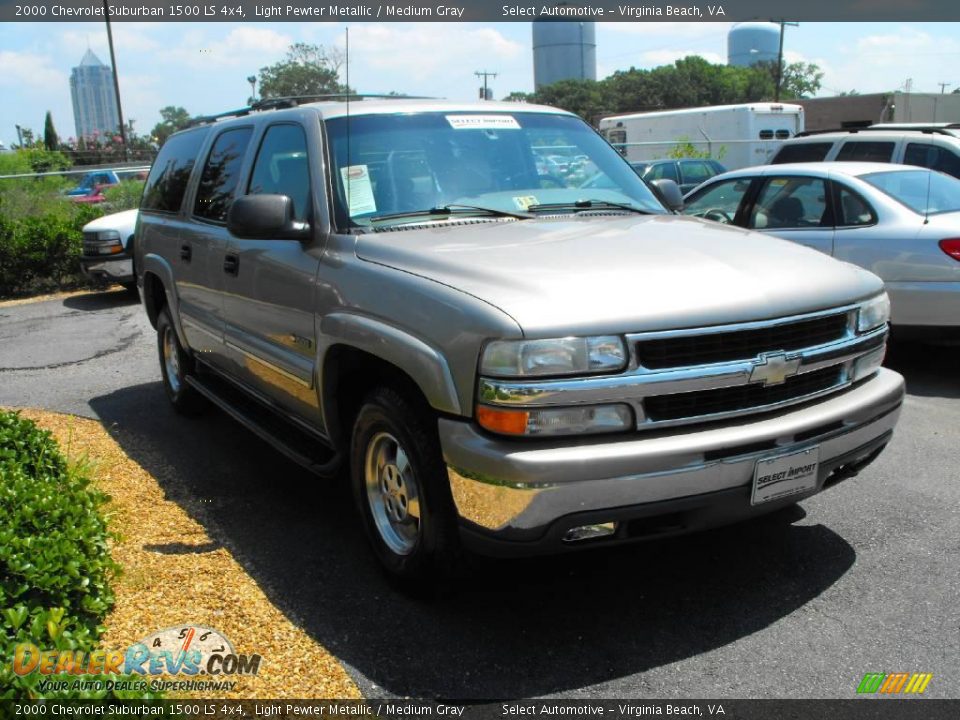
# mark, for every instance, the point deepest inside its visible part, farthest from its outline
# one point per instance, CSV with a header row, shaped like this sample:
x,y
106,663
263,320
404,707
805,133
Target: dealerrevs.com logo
x,y
192,651
895,683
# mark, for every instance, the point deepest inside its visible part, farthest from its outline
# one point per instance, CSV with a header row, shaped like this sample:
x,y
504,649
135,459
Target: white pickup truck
x,y
108,249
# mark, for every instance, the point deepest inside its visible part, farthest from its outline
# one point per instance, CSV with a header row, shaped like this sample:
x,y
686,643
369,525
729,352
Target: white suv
x,y
934,146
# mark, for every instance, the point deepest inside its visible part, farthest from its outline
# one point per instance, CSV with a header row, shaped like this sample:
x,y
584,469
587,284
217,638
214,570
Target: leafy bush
x,y
124,196
40,235
55,565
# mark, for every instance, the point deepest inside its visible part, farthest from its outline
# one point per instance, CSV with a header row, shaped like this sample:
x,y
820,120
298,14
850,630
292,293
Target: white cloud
x,y
883,62
244,46
39,70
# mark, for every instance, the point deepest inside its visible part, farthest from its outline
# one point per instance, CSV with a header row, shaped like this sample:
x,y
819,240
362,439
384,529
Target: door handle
x,y
186,252
231,264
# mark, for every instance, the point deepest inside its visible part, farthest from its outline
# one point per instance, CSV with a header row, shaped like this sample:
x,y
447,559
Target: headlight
x,y
585,420
108,235
873,313
558,356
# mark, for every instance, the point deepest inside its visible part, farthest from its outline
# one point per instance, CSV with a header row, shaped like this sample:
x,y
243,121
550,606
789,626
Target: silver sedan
x,y
900,222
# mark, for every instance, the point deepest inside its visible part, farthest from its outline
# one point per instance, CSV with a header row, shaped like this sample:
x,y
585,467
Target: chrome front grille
x,y
687,350
741,397
91,244
697,375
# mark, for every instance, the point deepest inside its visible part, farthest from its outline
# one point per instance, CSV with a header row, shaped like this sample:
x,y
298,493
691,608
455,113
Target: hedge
x,y
55,565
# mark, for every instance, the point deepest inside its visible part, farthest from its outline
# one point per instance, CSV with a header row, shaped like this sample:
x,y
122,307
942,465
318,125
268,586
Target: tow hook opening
x,y
590,532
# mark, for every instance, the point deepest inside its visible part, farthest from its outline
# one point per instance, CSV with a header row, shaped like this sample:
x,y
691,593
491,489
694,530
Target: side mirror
x,y
265,217
669,193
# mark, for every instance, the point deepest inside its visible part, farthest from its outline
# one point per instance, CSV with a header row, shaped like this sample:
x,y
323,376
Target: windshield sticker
x,y
525,201
483,122
359,190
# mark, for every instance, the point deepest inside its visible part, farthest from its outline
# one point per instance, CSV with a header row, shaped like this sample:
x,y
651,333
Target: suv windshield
x,y
506,162
923,191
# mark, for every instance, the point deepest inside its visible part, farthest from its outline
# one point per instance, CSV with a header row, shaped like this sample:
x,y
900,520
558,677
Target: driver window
x,y
790,202
282,167
719,201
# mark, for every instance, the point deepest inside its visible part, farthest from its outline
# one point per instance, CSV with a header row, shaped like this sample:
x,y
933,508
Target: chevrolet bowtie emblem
x,y
773,368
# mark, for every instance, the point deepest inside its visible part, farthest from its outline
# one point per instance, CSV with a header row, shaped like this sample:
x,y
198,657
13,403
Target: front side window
x,y
509,162
662,171
282,168
718,202
221,173
790,202
931,156
695,172
170,173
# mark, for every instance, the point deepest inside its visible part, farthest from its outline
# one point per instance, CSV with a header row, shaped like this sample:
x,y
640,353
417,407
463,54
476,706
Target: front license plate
x,y
785,475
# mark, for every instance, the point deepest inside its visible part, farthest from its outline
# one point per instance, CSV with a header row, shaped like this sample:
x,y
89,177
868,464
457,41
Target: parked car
x,y
502,364
902,223
934,147
686,172
107,249
92,181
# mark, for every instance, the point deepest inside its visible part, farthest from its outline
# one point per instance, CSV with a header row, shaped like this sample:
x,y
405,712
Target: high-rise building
x,y
94,103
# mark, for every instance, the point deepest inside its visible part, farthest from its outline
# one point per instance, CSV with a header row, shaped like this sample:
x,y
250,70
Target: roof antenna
x,y
347,62
926,206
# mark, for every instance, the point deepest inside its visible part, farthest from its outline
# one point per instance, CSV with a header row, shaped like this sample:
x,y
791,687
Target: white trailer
x,y
737,135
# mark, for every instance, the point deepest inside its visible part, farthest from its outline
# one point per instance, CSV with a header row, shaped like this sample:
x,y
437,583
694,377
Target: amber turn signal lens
x,y
508,422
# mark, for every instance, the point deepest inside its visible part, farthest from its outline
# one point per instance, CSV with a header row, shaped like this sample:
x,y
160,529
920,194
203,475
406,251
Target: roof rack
x,y
925,129
279,103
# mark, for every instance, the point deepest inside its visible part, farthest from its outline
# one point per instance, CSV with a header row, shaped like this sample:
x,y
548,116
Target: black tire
x,y
429,548
184,397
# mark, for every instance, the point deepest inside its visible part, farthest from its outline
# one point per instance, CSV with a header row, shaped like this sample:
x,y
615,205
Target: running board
x,y
284,436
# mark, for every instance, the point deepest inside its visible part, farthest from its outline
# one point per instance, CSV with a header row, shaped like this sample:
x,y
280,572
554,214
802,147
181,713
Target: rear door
x,y
269,300
795,208
203,243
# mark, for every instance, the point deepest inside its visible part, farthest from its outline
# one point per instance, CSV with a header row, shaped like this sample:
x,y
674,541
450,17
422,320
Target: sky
x,y
203,66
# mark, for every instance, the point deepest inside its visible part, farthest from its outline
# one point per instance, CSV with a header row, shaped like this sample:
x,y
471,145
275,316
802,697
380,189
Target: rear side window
x,y
802,152
221,174
282,168
171,171
852,210
931,156
866,151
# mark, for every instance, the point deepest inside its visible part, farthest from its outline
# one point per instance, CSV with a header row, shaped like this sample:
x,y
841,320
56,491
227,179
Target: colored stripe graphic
x,y
893,683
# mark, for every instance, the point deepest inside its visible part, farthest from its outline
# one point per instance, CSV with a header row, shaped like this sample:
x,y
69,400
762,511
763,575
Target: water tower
x,y
749,43
563,51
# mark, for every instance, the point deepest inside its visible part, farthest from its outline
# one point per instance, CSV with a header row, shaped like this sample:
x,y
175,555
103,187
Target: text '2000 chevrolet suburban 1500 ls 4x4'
x,y
504,361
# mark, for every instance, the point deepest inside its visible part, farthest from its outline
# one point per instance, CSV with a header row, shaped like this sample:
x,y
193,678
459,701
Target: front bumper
x,y
108,268
520,497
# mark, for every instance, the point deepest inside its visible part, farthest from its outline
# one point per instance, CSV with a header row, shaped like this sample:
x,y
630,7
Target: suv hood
x,y
588,274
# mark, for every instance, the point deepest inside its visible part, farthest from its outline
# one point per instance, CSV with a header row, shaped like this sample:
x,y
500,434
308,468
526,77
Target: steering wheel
x,y
717,215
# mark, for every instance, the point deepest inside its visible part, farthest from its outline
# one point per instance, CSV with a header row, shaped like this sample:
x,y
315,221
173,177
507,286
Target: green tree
x,y
307,70
173,118
800,80
50,140
586,98
517,96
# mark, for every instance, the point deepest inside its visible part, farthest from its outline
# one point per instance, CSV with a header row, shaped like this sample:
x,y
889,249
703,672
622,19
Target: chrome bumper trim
x,y
506,486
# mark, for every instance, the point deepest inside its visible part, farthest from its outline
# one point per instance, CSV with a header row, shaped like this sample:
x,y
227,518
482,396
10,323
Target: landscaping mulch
x,y
204,587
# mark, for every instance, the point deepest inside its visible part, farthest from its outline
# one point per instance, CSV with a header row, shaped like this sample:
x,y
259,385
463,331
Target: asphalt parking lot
x,y
866,577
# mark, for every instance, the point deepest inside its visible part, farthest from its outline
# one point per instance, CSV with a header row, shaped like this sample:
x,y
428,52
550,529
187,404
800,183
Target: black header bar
x,y
478,10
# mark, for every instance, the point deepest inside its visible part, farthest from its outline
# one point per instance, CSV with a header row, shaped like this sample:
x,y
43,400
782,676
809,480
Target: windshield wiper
x,y
579,205
453,209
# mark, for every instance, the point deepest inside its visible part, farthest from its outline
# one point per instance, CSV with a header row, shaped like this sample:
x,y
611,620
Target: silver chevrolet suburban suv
x,y
499,359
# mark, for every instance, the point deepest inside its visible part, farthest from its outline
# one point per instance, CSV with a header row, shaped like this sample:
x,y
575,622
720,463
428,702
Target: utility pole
x,y
783,24
116,78
944,86
484,74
